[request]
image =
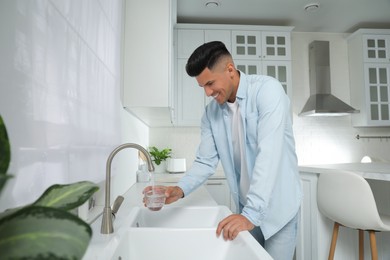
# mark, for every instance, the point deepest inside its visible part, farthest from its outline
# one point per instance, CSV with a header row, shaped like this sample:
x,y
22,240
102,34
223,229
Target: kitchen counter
x,y
175,177
374,171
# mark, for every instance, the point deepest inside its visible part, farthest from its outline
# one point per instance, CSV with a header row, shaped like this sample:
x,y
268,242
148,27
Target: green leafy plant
x,y
45,229
159,155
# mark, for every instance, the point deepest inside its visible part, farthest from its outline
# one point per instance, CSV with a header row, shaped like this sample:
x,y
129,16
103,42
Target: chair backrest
x,y
346,197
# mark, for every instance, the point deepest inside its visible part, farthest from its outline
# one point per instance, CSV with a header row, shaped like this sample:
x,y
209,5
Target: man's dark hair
x,y
206,56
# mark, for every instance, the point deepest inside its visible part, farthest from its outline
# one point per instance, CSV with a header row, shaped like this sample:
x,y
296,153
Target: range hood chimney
x,y
321,102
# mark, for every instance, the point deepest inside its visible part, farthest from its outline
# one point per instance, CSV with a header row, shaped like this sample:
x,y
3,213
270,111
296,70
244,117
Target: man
x,y
247,126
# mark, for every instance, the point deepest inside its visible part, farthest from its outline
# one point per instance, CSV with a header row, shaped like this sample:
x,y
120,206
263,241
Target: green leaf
x,y
5,154
36,232
3,180
159,156
67,196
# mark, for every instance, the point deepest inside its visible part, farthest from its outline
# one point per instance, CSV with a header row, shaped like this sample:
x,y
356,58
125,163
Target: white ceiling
x,y
342,16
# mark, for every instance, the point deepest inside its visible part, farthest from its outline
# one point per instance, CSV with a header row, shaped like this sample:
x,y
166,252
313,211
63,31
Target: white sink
x,y
179,217
186,243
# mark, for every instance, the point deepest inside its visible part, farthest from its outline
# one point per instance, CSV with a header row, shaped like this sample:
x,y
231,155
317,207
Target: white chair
x,y
347,199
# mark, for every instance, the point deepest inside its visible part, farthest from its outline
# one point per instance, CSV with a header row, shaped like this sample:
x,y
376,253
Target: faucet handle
x,y
117,204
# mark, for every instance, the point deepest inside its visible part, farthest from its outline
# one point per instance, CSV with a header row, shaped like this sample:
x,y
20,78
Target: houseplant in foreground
x,y
45,229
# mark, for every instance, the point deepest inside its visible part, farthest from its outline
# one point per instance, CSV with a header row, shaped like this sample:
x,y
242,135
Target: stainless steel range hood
x,y
321,102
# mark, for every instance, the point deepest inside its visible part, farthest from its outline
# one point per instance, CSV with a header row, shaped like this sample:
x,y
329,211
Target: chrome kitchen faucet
x,y
107,225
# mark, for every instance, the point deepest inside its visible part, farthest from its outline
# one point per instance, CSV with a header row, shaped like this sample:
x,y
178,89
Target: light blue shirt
x,y
274,194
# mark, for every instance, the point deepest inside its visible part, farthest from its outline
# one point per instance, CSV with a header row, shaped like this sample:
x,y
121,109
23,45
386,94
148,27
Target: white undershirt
x,y
239,150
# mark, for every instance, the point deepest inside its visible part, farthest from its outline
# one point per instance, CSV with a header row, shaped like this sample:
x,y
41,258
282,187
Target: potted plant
x,y
159,157
45,229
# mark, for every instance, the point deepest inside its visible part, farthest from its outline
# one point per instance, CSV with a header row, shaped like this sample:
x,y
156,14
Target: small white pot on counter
x,y
176,165
161,168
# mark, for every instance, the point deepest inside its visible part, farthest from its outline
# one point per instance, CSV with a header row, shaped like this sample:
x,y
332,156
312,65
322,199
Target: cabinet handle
x,y
214,183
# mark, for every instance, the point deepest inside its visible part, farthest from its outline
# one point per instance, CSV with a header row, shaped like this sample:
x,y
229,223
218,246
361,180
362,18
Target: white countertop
x,y
175,177
374,171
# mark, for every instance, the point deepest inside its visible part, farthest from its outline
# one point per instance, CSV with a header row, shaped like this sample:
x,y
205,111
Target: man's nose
x,y
208,91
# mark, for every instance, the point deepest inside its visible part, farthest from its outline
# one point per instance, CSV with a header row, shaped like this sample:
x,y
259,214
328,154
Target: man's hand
x,y
173,193
232,225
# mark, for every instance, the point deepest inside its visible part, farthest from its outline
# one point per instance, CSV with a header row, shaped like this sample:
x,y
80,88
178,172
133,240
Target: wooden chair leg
x,y
334,240
374,251
361,244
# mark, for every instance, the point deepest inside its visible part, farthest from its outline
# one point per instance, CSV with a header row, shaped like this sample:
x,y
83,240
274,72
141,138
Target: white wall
x,y
318,140
60,76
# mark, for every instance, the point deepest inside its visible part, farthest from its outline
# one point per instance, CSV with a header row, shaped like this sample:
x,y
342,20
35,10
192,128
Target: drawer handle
x,y
214,183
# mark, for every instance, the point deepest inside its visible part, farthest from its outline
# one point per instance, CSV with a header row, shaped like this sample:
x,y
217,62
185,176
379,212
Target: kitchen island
x,y
315,230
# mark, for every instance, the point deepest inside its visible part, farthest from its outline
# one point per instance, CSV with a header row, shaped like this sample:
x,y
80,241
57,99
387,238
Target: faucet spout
x,y
107,223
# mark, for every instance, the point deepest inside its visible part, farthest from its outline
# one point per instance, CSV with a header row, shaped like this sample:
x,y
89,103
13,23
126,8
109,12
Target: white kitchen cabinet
x,y
249,67
187,41
148,60
280,70
310,244
258,45
255,49
246,45
219,35
219,190
276,45
267,53
190,98
376,47
369,61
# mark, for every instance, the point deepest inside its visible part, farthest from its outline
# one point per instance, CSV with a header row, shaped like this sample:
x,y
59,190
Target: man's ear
x,y
230,67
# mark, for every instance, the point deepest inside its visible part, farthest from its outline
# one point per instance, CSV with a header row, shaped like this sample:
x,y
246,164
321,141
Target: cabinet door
x,y
276,45
377,93
190,97
219,190
307,242
141,90
281,71
187,41
246,45
219,35
278,69
248,66
376,48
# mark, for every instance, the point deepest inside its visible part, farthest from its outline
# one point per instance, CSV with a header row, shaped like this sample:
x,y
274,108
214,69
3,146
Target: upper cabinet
x,y
264,52
190,97
369,61
261,45
255,49
148,60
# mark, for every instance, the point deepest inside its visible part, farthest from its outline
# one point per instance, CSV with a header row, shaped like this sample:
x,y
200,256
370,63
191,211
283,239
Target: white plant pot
x,y
160,168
